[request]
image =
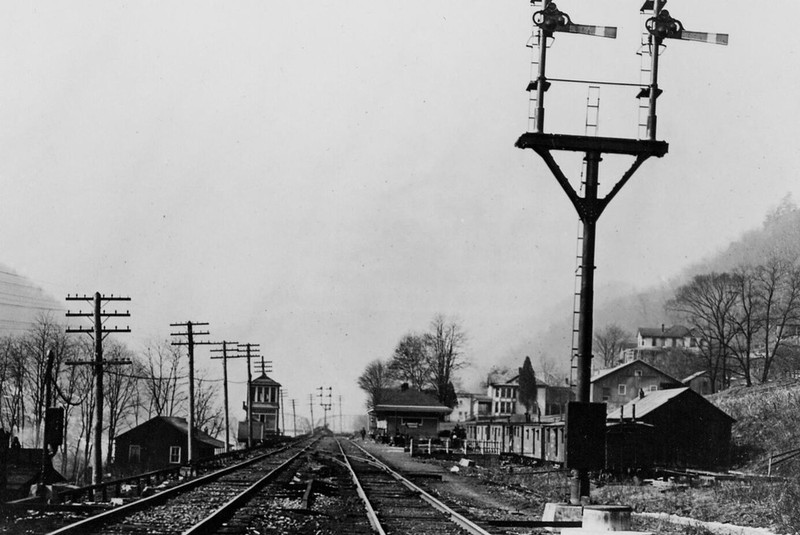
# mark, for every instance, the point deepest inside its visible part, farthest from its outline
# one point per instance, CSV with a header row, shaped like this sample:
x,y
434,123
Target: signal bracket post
x,y
589,208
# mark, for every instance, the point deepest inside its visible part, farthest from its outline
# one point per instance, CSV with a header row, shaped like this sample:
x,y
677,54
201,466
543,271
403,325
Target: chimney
x,y
404,387
633,412
662,327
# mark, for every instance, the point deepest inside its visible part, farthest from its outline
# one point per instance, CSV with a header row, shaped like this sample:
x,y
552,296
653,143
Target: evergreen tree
x,y
527,386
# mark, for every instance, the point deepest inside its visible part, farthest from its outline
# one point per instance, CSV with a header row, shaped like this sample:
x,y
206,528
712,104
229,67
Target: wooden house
x,y
160,442
619,385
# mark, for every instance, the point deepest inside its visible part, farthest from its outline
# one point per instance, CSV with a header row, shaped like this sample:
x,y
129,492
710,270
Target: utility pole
x,y
190,343
294,421
326,406
98,333
283,421
250,350
340,415
590,206
224,357
311,405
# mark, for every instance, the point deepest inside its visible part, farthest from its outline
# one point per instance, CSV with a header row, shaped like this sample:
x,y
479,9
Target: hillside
x,y
621,304
767,423
22,302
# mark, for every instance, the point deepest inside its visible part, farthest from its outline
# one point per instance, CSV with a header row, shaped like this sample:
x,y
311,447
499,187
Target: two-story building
x,y
621,384
469,405
504,391
265,398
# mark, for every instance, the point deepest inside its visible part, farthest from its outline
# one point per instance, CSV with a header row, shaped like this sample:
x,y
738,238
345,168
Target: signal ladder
x,y
535,41
646,68
591,126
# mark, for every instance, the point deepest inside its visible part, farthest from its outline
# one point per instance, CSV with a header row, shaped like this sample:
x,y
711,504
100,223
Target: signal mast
x,y
586,420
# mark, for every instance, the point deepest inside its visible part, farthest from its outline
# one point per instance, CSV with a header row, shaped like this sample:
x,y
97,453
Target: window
x,y
134,454
175,455
653,388
637,373
606,393
621,390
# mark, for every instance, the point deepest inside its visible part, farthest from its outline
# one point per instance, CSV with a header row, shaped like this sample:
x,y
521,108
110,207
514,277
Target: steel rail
x,y
457,518
215,519
82,526
371,514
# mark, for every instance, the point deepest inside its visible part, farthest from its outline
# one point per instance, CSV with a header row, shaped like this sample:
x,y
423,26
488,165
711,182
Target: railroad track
x,y
197,506
394,504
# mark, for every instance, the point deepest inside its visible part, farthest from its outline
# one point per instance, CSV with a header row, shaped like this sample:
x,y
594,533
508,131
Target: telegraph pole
x,y
294,420
190,343
283,420
98,333
340,415
224,357
249,353
311,405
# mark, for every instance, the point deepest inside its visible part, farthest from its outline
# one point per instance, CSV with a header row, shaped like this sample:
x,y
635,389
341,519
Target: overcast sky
x,y
322,177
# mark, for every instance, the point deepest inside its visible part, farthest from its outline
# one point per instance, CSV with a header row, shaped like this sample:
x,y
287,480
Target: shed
x,y
688,430
160,442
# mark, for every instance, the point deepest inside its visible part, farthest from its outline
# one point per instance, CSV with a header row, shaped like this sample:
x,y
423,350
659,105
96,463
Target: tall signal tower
x,y
586,421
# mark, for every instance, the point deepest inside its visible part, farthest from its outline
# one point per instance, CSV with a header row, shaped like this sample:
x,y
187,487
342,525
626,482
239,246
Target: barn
x,y
160,442
685,429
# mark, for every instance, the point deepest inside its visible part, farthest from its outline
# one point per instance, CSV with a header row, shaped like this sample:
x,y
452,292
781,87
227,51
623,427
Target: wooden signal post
x,y
590,206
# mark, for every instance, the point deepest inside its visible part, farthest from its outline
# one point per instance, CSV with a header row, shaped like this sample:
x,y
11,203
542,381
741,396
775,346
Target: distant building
x,y
621,384
687,430
265,394
405,411
160,442
700,382
469,405
504,391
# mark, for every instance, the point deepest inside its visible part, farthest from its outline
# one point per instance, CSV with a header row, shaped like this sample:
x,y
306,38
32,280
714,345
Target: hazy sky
x,y
322,177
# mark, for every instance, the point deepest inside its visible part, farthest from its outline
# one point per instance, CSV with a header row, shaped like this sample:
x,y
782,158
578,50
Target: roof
x,y
605,373
263,379
694,376
504,379
655,400
410,399
675,331
183,427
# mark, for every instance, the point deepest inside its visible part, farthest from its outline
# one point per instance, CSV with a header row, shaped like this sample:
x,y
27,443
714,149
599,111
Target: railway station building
x,y
407,412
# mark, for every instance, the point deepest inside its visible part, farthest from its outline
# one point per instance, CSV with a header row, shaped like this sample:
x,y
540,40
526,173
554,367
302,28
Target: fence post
x,y
411,447
447,446
429,446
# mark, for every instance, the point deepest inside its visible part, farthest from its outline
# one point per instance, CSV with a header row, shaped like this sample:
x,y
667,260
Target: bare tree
x,y
445,341
45,335
410,363
119,392
373,381
779,280
161,368
12,387
747,318
706,303
609,343
208,415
